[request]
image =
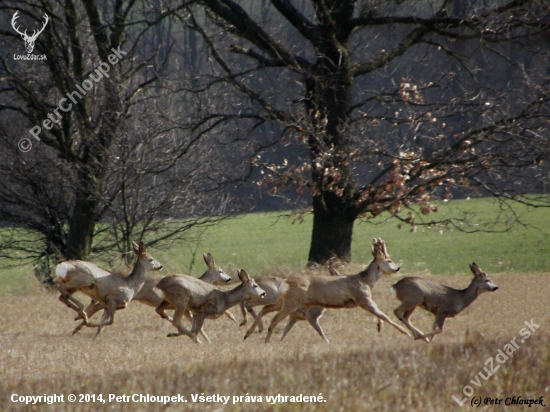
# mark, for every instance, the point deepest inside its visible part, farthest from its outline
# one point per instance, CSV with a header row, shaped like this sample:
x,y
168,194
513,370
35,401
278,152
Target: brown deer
x,y
215,275
271,286
332,292
443,301
113,291
203,300
148,296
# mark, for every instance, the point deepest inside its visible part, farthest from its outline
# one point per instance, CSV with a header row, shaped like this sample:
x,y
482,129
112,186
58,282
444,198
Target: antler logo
x,y
29,40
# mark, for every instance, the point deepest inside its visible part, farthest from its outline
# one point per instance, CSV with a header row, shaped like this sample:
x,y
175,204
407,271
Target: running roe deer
x,y
112,291
271,286
332,292
148,296
443,301
202,299
214,276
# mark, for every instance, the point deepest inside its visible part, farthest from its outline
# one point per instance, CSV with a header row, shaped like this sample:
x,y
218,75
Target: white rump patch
x,y
62,269
283,288
159,292
393,292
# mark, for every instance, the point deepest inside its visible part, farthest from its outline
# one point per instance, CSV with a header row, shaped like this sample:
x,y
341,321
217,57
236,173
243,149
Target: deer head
x,y
214,275
382,258
483,283
148,261
29,40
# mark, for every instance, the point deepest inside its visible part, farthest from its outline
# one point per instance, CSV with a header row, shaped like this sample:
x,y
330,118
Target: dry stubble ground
x,y
360,370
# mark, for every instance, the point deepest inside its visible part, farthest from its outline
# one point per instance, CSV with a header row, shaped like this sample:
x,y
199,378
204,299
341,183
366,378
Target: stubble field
x,y
360,370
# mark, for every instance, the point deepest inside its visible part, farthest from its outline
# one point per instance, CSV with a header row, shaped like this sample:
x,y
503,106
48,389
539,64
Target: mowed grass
x,y
360,370
264,243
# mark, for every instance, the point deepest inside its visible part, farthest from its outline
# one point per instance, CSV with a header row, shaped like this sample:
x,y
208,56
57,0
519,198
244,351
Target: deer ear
x,y
243,276
135,247
209,260
142,249
475,269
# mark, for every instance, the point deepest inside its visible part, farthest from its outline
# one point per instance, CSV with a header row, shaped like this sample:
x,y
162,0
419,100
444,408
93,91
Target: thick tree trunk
x,y
91,172
330,89
331,235
81,229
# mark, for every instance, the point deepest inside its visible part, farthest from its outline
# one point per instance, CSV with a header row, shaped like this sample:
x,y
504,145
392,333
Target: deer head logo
x,y
29,40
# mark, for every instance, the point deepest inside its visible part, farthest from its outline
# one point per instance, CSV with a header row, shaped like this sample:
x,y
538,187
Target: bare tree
x,y
102,103
376,105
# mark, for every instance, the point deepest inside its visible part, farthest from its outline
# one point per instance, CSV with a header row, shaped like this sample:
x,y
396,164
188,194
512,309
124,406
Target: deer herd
x,y
303,296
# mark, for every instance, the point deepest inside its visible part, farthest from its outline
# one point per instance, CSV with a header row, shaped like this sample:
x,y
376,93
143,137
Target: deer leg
x,y
407,316
160,310
198,321
265,310
108,317
370,306
90,311
243,312
66,291
79,326
289,325
230,316
253,313
437,327
260,322
178,314
313,316
283,313
105,314
72,303
191,319
300,314
403,312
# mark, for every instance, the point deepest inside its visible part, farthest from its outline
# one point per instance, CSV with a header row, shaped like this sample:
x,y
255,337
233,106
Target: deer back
x,y
79,270
182,288
322,290
335,291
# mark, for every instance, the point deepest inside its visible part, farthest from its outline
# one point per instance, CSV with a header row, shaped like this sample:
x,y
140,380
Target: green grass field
x,y
267,242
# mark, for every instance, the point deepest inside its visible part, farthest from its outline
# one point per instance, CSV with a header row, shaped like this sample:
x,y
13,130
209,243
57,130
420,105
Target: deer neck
x,y
205,277
138,272
233,296
371,274
469,294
